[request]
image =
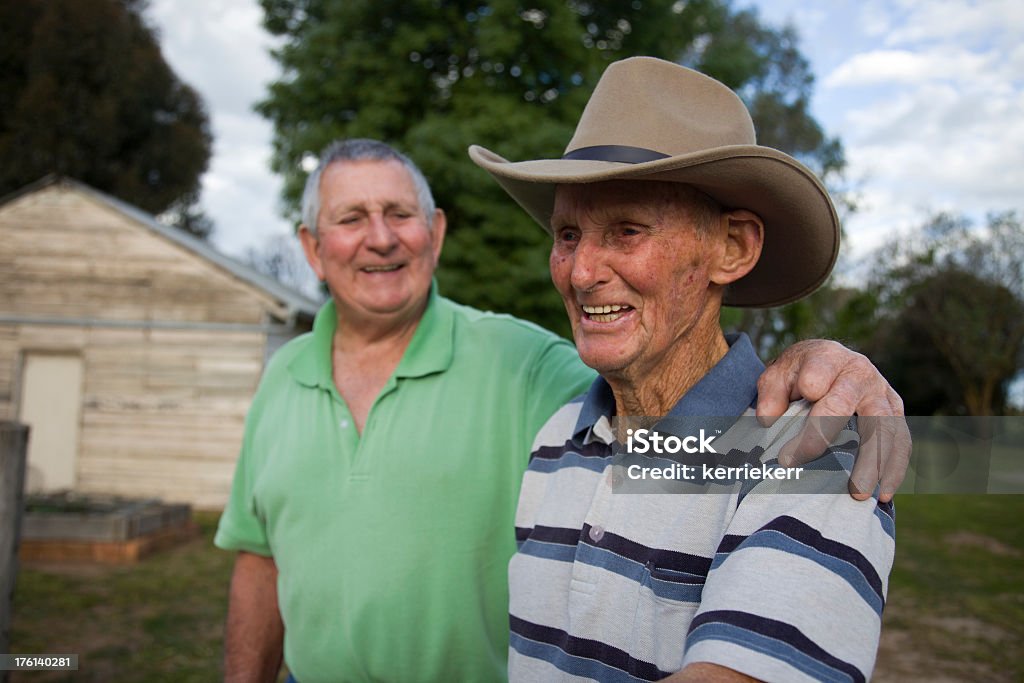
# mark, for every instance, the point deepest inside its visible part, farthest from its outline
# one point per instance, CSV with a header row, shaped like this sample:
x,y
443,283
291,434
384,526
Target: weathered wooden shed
x,y
131,348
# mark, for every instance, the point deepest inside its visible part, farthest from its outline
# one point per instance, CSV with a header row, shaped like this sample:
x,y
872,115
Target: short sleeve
x,y
797,586
240,527
557,376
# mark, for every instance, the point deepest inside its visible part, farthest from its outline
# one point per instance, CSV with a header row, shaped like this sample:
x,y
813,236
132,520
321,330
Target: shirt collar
x,y
727,390
430,350
312,366
432,347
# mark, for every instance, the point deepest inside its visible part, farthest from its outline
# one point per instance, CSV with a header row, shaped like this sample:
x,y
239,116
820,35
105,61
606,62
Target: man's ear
x,y
437,232
744,237
311,248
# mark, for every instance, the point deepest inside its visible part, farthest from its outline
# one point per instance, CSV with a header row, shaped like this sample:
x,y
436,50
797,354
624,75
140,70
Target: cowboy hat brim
x,y
801,226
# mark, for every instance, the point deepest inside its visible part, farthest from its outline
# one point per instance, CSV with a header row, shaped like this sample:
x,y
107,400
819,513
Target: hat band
x,y
620,153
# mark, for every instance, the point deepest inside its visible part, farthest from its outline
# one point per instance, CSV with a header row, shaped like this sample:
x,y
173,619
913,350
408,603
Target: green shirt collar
x,y
430,350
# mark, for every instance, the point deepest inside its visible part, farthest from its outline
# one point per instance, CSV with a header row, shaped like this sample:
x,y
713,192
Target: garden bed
x,y
109,529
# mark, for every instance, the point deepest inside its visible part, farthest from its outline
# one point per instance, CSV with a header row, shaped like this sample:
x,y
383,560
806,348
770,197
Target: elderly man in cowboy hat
x,y
374,496
662,209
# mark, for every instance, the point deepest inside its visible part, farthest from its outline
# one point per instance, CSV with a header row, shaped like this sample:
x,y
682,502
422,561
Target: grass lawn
x,y
956,594
955,610
159,620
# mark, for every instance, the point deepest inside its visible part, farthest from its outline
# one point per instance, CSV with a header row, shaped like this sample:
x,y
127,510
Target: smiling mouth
x,y
607,313
381,269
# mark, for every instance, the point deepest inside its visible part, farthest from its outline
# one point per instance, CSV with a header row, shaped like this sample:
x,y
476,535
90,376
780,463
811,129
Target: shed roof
x,y
297,304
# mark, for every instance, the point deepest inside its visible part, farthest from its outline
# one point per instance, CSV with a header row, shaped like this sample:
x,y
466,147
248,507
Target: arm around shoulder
x,y
840,383
556,376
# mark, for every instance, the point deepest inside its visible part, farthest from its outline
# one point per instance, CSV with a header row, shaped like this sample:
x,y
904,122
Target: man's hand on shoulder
x,y
840,383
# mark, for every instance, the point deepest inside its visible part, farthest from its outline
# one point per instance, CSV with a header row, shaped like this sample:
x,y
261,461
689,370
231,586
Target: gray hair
x,y
361,149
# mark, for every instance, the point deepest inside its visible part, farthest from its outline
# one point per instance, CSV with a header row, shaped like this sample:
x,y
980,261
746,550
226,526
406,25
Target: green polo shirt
x,y
392,547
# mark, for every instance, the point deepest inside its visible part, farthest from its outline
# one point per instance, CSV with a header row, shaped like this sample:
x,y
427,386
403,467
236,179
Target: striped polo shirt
x,y
777,581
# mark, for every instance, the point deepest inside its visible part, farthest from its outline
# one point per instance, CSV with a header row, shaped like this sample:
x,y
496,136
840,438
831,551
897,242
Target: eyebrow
x,y
626,212
412,206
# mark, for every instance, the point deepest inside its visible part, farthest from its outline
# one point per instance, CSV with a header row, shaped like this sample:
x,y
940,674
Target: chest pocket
x,y
666,602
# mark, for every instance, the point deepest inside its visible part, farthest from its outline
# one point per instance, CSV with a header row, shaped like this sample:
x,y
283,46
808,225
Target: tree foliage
x,y
949,330
954,346
85,92
434,76
834,312
281,257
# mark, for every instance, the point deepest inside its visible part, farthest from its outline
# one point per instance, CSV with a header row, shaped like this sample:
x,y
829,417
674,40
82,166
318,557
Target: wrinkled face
x,y
374,247
633,272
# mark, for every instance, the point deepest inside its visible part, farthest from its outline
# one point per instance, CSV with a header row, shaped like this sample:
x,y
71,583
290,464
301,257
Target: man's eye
x,y
566,235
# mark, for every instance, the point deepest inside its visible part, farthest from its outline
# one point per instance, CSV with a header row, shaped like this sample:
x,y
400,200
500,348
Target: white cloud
x,y
220,48
880,67
935,113
965,22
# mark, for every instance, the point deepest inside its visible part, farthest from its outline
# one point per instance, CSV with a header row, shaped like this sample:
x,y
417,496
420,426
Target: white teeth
x,y
600,310
606,313
381,269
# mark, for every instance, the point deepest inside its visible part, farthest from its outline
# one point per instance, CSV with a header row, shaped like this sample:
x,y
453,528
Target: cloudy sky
x,y
926,95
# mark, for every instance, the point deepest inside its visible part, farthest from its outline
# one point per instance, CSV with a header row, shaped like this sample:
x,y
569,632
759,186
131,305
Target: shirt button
x,y
614,479
596,533
344,424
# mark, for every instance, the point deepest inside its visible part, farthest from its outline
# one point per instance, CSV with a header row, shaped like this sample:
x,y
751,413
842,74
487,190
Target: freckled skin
x,y
633,243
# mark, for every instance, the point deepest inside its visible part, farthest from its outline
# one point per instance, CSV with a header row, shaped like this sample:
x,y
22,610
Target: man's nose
x,y
380,235
589,265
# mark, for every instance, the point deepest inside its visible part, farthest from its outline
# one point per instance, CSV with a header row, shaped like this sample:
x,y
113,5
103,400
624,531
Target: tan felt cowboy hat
x,y
654,120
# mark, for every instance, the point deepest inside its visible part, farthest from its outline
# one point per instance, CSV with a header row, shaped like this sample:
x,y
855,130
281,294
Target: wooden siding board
x,y
163,410
64,249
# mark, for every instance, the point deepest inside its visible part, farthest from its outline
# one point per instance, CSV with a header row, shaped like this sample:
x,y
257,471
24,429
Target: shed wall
x,y
172,346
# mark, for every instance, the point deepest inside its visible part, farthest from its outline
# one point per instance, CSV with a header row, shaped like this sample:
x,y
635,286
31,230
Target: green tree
x,y
85,92
434,76
950,336
833,312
